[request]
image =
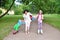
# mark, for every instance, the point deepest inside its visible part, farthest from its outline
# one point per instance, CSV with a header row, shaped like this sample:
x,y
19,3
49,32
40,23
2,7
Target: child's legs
x,y
39,26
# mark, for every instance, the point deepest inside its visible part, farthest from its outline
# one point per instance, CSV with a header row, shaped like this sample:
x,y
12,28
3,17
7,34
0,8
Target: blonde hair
x,y
40,11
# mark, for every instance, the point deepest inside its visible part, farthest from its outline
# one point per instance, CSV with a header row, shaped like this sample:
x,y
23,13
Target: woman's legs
x,y
27,27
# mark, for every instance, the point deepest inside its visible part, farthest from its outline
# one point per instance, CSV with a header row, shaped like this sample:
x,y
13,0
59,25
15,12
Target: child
x,y
27,20
16,26
40,18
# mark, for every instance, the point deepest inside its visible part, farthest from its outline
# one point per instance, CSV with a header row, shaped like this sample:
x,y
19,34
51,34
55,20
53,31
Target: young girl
x,y
27,20
40,18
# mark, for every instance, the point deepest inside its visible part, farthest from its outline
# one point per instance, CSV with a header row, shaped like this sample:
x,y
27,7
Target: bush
x,y
0,11
18,10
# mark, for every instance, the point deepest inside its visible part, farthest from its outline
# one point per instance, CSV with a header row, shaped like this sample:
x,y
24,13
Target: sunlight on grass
x,y
52,19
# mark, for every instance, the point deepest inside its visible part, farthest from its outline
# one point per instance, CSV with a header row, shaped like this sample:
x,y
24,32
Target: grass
x,y
53,19
7,23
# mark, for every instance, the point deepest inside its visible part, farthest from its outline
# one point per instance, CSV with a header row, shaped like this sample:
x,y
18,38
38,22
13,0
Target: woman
x,y
27,20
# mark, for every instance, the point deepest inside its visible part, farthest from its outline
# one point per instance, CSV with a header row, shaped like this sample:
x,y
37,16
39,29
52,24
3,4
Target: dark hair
x,y
25,10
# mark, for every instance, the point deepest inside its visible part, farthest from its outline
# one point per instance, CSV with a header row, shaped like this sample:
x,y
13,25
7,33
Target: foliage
x,y
5,3
19,9
0,11
48,6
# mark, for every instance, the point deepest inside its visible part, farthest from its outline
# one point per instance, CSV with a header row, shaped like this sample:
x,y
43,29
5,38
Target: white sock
x,y
41,31
38,31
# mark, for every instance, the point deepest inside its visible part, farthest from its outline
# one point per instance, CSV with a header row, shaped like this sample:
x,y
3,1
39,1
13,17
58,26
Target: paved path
x,y
50,33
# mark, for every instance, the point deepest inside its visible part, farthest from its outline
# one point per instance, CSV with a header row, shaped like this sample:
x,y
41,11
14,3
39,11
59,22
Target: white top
x,y
27,17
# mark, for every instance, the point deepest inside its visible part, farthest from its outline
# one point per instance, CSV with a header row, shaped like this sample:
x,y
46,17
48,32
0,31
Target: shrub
x,y
0,11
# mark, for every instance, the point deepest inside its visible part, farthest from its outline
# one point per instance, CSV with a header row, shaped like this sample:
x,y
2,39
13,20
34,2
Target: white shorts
x,y
27,24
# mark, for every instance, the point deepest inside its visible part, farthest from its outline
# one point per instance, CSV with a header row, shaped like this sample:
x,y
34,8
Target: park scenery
x,y
29,19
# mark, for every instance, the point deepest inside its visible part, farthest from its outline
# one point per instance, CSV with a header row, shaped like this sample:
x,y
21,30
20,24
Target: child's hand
x,y
35,16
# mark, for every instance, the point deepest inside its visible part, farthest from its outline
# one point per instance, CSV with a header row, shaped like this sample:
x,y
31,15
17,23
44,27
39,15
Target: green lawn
x,y
7,23
53,19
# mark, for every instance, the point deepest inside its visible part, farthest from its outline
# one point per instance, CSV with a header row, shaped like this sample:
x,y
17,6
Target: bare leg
x,y
28,27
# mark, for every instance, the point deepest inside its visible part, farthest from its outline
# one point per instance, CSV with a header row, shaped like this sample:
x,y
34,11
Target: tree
x,y
7,10
48,6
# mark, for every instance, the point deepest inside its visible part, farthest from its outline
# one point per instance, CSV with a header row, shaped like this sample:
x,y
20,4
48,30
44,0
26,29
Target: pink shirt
x,y
40,17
